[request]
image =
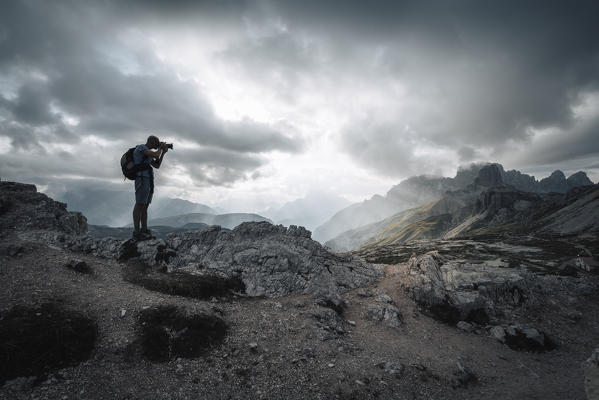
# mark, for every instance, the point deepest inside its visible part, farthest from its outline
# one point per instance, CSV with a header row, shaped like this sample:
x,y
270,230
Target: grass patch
x,y
36,341
166,332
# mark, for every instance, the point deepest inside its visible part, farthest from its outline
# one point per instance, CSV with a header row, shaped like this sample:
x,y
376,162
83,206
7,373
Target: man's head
x,y
153,142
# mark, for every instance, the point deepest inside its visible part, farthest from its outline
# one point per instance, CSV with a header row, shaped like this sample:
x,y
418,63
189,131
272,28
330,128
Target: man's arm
x,y
154,154
162,150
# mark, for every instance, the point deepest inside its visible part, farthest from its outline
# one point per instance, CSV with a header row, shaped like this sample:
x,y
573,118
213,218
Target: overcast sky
x,y
267,101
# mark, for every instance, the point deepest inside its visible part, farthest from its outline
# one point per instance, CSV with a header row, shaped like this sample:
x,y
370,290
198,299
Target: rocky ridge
x,y
488,205
420,190
270,260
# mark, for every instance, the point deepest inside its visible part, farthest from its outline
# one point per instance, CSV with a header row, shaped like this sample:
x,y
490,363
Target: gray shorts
x,y
144,190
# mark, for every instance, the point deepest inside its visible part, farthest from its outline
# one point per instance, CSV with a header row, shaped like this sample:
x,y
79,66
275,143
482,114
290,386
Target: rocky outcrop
x,y
270,260
580,213
520,337
591,375
457,290
22,208
505,197
489,175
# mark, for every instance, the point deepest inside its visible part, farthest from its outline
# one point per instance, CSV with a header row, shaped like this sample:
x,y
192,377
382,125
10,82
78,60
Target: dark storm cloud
x,y
63,60
475,73
582,140
33,104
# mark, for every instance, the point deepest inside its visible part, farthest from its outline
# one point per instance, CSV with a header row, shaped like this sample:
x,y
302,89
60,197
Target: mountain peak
x,y
490,175
579,178
557,174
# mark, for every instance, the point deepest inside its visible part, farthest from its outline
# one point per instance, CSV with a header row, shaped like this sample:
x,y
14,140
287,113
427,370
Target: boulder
x,y
454,290
521,337
388,314
498,333
465,326
591,375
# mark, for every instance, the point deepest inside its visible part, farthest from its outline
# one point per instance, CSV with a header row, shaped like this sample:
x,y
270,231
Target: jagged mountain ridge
x,y
459,212
417,191
410,193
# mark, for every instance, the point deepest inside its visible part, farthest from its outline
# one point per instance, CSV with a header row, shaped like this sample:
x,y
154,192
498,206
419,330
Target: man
x,y
144,183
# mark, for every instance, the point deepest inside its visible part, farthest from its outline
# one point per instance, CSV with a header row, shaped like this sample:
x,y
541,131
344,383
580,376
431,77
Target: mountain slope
x,y
410,193
417,191
309,211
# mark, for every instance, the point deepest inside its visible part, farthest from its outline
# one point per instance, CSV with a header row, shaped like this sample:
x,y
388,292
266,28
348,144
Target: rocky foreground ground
x,y
264,312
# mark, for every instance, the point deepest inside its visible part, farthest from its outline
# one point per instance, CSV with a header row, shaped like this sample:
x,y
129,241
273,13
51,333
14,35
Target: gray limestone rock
x,y
519,337
393,368
465,326
23,208
498,333
591,375
454,290
386,313
271,260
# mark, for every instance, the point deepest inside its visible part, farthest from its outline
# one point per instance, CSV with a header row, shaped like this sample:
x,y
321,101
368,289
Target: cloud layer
x,y
255,91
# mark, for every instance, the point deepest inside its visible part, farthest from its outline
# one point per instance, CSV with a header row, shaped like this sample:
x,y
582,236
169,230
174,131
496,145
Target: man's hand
x,y
164,147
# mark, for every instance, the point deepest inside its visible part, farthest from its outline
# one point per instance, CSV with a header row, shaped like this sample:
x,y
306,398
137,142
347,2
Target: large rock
x,y
22,208
454,290
271,260
591,375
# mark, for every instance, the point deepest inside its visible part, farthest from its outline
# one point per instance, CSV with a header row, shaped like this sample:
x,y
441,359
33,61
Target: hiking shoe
x,y
137,235
147,235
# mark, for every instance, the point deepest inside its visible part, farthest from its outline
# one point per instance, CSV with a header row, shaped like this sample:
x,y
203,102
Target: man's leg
x,y
137,212
144,217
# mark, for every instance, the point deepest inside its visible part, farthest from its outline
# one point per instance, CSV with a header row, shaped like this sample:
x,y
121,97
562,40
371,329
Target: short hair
x,y
153,141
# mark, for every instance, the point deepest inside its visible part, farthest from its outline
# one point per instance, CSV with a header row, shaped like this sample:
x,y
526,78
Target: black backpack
x,y
130,169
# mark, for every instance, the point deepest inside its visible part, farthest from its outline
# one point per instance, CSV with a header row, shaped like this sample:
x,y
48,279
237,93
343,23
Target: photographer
x,y
144,183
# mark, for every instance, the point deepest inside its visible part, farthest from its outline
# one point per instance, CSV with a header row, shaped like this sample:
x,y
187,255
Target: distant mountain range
x,y
113,208
418,191
488,204
309,211
228,221
100,231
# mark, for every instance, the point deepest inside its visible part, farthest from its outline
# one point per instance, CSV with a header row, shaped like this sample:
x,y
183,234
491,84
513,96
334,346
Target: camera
x,y
169,145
